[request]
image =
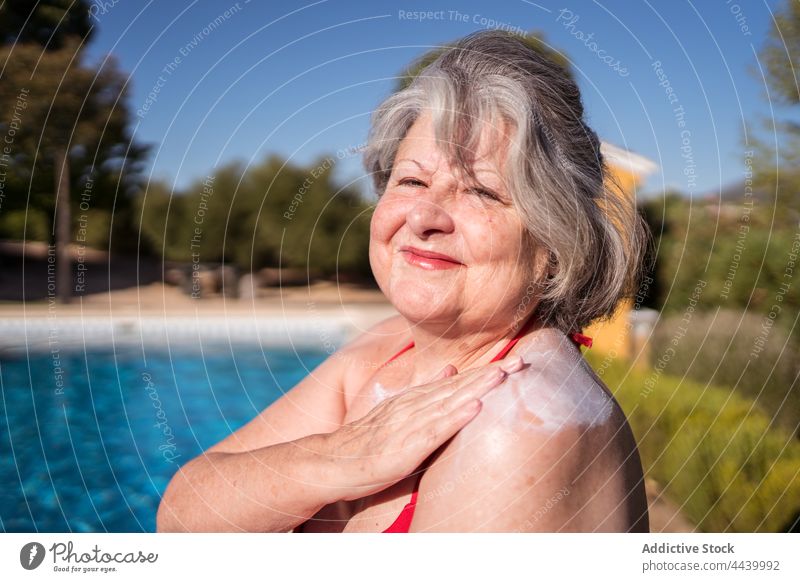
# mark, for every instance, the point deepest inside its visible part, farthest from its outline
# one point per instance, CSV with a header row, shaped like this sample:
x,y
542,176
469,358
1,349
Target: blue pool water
x,y
90,447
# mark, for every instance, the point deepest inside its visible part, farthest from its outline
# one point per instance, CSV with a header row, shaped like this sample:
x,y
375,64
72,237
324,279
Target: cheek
x,y
493,240
496,247
386,220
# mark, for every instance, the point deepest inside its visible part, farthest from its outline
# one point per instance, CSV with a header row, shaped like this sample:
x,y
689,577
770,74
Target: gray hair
x,y
556,175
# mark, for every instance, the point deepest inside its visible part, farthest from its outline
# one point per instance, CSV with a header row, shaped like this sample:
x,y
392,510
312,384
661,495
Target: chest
x,y
369,390
376,512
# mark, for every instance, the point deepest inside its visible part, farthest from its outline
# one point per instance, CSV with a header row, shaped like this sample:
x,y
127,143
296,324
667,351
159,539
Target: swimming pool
x,y
90,438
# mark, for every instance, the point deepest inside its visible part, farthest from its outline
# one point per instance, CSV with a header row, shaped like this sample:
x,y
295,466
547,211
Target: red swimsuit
x,y
403,522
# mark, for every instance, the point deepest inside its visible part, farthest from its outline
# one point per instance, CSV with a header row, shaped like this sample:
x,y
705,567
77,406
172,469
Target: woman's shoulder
x,y
555,409
560,390
557,396
362,356
550,431
555,402
379,339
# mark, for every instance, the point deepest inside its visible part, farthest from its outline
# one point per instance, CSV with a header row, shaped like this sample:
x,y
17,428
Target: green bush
x,y
272,214
718,348
31,224
94,230
743,253
724,461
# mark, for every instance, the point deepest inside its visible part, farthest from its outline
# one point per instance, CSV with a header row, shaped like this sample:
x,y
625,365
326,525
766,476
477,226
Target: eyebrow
x,y
426,169
419,165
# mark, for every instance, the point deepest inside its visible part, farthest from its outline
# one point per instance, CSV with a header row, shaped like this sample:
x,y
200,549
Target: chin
x,y
417,294
420,302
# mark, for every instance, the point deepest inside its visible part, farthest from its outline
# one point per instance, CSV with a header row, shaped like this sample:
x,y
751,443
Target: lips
x,y
430,260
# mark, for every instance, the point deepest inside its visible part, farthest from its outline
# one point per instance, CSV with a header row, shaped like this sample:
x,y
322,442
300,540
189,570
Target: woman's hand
x,y
385,446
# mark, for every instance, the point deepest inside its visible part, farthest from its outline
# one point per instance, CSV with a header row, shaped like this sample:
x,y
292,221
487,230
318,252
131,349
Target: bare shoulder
x,y
555,416
362,356
552,451
559,392
391,330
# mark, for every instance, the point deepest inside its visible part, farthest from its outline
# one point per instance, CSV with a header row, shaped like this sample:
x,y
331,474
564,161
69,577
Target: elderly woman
x,y
496,238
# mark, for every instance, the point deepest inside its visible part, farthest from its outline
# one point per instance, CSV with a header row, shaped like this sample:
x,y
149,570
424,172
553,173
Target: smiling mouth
x,y
429,260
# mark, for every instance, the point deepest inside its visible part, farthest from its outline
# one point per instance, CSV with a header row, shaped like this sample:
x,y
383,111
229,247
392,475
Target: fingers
x,y
511,365
441,415
465,386
413,424
447,377
441,396
446,372
475,390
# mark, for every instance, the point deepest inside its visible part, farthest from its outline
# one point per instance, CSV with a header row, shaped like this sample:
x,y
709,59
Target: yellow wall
x,y
612,337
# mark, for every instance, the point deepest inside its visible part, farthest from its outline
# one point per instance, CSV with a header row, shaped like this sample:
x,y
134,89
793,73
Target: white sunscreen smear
x,y
379,393
555,391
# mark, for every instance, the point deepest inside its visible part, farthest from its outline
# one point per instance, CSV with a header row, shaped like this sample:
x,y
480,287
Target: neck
x,y
437,346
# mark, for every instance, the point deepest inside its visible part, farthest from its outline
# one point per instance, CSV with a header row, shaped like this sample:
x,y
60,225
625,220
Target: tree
x,y
780,54
272,214
777,169
69,120
48,23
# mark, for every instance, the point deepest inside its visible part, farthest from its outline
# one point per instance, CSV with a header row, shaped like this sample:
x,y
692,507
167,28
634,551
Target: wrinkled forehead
x,y
434,142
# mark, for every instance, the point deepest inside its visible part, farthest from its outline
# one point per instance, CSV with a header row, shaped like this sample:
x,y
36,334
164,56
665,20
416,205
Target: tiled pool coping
x,y
312,330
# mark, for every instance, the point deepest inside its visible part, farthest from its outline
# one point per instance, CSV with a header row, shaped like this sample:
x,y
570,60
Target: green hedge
x,y
31,224
718,348
723,460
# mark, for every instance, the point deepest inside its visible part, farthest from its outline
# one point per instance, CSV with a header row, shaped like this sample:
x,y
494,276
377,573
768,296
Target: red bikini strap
x,y
578,338
514,340
398,354
581,339
422,468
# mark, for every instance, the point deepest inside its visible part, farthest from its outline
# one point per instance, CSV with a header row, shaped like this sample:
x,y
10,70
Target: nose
x,y
428,218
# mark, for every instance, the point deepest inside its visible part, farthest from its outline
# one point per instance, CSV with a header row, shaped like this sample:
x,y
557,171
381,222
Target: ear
x,y
544,264
552,264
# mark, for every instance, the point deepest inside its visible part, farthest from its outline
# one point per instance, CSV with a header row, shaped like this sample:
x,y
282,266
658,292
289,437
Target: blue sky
x,y
301,78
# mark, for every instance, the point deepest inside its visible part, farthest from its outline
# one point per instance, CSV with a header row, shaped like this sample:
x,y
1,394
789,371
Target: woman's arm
x,y
247,483
273,488
534,460
267,475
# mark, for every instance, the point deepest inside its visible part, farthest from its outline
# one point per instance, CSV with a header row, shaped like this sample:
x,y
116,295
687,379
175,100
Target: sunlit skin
x,y
550,450
532,443
458,312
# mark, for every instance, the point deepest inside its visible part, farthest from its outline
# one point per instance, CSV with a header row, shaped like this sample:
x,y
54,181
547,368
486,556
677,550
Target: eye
x,y
484,193
411,182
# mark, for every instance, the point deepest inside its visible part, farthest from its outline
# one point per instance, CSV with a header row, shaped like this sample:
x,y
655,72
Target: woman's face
x,y
484,271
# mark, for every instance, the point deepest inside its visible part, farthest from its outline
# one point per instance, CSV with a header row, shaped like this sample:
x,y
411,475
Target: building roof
x,y
627,160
